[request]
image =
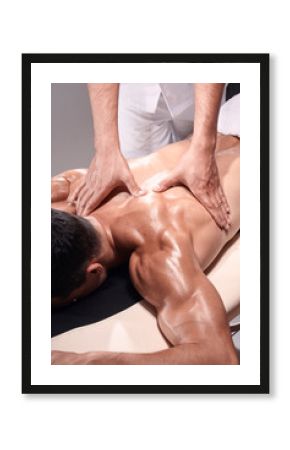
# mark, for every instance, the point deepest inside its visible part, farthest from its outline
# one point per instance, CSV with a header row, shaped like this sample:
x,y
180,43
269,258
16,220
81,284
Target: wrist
x,y
106,142
106,147
203,143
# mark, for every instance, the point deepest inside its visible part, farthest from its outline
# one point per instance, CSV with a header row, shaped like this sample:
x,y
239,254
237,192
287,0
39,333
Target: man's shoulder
x,y
69,175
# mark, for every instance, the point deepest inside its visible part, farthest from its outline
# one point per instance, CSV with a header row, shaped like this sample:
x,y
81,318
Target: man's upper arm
x,y
61,186
59,189
167,274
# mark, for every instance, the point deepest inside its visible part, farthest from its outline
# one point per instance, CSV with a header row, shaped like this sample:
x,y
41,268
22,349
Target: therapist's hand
x,y
108,170
197,170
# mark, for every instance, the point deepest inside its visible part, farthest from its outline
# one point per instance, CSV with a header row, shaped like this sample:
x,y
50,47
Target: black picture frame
x,y
263,61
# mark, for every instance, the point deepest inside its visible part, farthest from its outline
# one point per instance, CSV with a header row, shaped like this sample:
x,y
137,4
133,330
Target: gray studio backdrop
x,y
71,127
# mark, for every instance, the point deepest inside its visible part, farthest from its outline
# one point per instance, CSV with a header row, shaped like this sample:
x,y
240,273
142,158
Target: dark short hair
x,y
74,242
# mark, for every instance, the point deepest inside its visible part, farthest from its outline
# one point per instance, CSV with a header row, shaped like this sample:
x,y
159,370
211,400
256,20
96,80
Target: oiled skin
x,y
170,239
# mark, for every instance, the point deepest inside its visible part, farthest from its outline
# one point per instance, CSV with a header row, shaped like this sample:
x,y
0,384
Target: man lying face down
x,y
169,240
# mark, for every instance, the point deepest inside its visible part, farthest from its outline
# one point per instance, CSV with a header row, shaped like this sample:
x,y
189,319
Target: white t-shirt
x,y
179,97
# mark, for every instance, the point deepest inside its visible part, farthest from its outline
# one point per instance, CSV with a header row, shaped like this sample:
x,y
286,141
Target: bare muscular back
x,y
180,208
141,218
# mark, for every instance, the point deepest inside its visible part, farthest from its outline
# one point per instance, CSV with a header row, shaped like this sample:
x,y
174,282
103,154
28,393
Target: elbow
x,y
230,359
220,354
222,350
206,354
226,356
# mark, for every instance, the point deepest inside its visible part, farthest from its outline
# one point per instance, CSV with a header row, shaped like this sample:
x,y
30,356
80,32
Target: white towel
x,y
229,117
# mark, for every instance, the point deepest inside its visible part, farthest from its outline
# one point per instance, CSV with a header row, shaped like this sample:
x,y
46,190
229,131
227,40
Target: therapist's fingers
x,y
218,216
76,192
224,206
85,204
226,216
90,201
219,212
225,201
214,206
90,198
132,186
221,209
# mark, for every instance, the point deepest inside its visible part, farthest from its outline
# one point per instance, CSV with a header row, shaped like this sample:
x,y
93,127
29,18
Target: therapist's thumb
x,y
133,187
165,184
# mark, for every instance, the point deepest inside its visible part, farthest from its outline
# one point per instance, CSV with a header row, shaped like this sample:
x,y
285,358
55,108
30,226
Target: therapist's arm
x,y
108,168
197,168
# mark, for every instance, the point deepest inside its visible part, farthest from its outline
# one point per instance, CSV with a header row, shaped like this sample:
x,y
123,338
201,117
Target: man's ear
x,y
95,268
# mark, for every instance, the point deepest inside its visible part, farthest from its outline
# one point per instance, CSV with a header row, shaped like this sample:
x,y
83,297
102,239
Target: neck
x,y
108,256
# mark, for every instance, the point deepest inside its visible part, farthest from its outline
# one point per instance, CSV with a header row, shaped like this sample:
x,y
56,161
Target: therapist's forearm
x,y
207,102
104,106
